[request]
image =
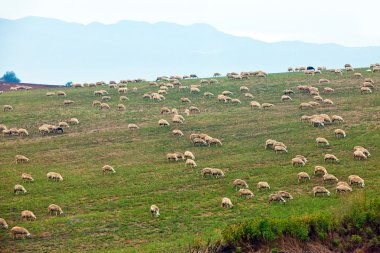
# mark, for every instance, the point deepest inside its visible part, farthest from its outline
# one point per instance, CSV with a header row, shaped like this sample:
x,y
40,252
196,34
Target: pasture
x,y
110,213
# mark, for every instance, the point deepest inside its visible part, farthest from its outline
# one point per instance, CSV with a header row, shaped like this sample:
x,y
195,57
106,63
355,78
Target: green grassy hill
x,y
110,213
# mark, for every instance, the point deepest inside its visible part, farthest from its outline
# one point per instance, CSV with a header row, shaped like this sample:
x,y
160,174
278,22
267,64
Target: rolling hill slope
x,y
110,213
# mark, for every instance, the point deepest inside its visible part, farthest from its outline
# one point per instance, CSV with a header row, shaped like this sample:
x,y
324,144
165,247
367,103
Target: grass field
x,y
110,213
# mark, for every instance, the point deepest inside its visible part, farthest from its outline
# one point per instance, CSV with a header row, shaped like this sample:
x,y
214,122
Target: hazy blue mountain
x,y
45,50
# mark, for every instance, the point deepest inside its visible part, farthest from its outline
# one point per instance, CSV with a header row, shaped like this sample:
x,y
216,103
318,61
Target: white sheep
x,y
21,159
339,133
27,177
68,102
217,173
155,211
133,126
108,169
305,106
364,150
18,232
226,203
266,105
163,123
359,155
244,89
3,224
285,195
279,148
185,100
320,190
7,108
214,141
328,90
240,183
365,90
329,178
321,140
61,93
235,101
285,98
263,185
320,170
199,141
191,163
121,107
189,154
52,208
54,176
302,176
63,124
330,157
354,179
276,197
28,215
246,193
177,133
123,98
171,157
74,121
22,132
18,188
255,104
343,188
208,94
298,162
104,106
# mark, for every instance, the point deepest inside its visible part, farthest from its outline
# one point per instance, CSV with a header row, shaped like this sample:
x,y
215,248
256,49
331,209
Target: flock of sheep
x,y
164,84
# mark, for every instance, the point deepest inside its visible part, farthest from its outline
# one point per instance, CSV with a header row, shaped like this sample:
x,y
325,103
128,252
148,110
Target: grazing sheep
x,y
43,130
328,90
163,123
106,98
285,195
227,93
20,232
108,169
320,170
194,90
342,183
328,102
185,100
339,133
214,141
269,144
54,176
343,188
199,141
320,190
364,150
121,107
155,211
285,98
147,96
337,118
165,110
18,188
297,162
74,121
321,140
177,119
206,171
3,224
263,185
133,126
369,85
318,98
359,155
365,90
255,104
217,173
280,149
189,154
122,90
235,101
226,203
7,108
21,159
276,197
359,75
22,132
208,94
27,177
367,79
63,124
177,133
305,106
246,193
354,179
49,94
96,103
104,106
171,157
28,215
240,183
302,176
68,102
123,98
266,105
288,92
191,163
329,178
52,208
61,93
244,89
323,80
330,157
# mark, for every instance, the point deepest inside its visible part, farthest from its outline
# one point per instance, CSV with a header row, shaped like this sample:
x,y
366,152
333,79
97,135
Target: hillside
x,y
110,213
44,50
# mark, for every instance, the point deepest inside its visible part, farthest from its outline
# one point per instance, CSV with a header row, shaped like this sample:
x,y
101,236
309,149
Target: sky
x,y
348,22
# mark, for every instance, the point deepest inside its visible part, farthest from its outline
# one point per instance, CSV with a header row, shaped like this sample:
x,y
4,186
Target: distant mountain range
x,y
45,50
